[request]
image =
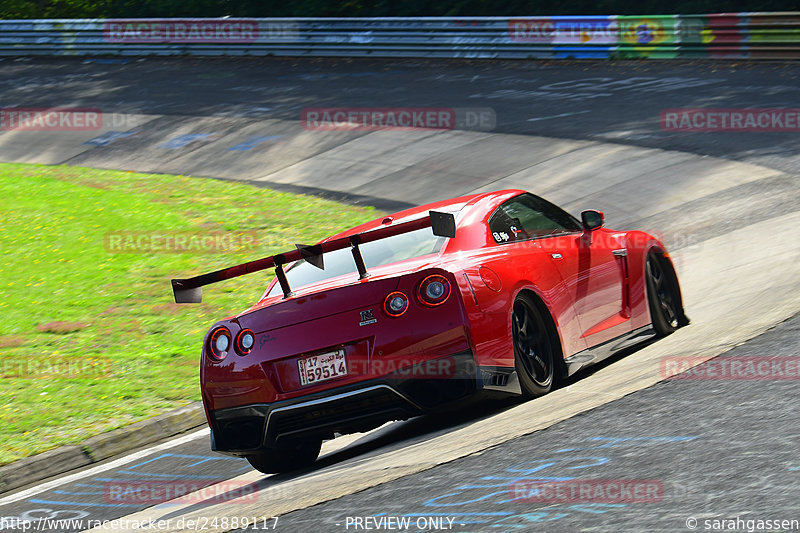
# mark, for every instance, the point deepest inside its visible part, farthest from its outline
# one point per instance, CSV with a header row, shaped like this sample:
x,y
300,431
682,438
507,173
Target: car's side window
x,y
527,217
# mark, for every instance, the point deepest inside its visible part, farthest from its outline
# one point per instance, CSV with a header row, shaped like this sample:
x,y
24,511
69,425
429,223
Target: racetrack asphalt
x,y
712,449
618,163
619,102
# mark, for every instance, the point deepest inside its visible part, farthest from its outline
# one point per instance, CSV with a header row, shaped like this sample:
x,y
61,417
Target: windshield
x,y
376,253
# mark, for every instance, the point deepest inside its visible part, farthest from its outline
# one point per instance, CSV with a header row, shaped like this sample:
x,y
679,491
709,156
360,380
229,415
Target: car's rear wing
x,y
191,290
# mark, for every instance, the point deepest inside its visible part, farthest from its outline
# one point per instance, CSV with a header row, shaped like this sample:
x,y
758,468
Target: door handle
x,y
555,256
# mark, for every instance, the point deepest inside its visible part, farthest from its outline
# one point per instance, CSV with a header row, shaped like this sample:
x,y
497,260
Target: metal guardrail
x,y
722,36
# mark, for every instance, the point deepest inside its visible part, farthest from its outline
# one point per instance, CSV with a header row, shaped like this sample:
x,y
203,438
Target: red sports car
x,y
501,291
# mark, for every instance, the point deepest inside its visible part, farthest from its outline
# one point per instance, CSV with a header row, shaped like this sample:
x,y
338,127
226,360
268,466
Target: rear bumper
x,y
359,407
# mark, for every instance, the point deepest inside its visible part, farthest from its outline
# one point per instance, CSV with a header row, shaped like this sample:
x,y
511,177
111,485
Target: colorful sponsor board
x,y
648,37
716,36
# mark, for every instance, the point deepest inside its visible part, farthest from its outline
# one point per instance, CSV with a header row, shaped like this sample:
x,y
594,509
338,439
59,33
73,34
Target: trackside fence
x,y
716,36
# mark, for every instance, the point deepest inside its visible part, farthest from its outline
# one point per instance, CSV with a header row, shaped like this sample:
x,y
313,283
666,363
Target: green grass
x,y
66,298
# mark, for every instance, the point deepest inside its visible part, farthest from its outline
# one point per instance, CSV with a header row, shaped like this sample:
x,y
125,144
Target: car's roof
x,y
473,207
450,205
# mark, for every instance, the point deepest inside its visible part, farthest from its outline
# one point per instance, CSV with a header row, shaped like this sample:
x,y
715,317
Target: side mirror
x,y
592,219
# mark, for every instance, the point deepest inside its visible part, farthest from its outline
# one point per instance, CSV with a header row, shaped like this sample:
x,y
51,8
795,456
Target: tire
x,y
533,348
663,295
286,457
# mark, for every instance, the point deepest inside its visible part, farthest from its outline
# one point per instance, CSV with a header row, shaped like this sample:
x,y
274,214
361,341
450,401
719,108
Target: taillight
x,y
244,342
395,304
434,290
219,344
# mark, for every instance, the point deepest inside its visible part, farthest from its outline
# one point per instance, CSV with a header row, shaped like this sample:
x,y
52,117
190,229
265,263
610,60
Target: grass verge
x,y
90,339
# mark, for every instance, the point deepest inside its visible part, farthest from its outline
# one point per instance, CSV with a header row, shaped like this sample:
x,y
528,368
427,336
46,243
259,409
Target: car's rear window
x,y
376,253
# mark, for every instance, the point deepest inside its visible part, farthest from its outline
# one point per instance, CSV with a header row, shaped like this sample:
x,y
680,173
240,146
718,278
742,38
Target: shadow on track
x,y
397,435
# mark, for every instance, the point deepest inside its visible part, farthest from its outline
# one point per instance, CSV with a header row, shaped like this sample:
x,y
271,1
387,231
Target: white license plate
x,y
322,367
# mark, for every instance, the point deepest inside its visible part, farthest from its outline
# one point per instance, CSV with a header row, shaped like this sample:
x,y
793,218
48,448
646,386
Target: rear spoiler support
x,y
355,240
190,290
281,275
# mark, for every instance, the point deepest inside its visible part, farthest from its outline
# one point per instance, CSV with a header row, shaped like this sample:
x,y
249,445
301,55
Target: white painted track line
x,y
81,474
